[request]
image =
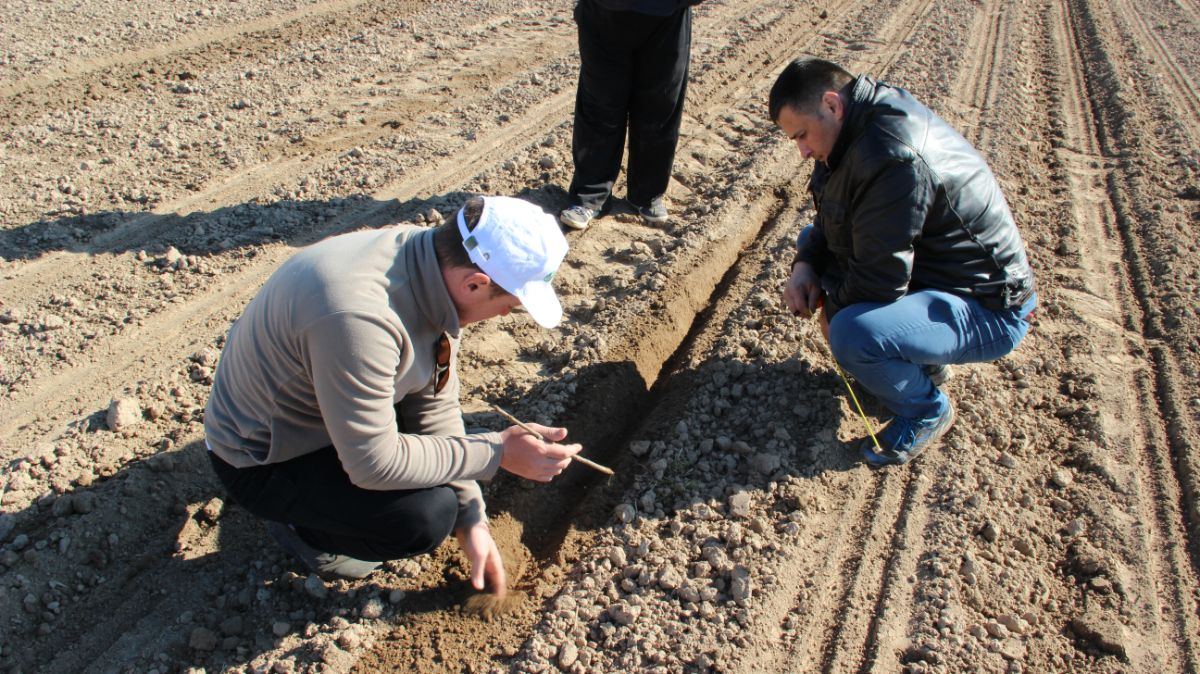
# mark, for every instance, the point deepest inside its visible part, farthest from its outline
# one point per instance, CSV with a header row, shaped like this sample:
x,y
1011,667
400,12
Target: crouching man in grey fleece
x,y
334,413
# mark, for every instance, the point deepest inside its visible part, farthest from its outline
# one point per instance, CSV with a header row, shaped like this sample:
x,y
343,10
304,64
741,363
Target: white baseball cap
x,y
520,246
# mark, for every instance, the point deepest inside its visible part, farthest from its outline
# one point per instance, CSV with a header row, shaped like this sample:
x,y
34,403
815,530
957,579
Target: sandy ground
x,y
160,161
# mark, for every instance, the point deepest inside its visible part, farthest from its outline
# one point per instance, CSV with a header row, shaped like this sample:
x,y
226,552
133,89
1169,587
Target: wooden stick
x,y
587,462
592,464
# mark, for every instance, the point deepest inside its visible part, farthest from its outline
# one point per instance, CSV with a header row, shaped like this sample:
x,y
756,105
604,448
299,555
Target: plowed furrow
x,y
1166,594
977,88
896,31
113,75
1183,92
1143,232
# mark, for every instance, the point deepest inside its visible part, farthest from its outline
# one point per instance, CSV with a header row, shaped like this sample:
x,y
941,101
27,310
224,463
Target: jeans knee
x,y
848,339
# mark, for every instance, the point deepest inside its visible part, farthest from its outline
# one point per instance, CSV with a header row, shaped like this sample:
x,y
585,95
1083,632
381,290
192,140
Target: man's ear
x,y
832,102
475,281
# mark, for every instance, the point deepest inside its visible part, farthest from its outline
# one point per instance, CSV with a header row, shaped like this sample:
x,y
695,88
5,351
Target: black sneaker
x,y
655,213
325,564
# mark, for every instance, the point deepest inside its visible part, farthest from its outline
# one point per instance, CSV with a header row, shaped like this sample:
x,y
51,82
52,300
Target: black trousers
x,y
314,495
633,74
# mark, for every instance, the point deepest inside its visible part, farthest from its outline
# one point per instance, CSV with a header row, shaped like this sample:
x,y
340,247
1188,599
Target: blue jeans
x,y
884,345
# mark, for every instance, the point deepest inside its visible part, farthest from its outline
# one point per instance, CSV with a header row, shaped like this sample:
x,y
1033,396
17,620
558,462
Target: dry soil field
x,y
161,158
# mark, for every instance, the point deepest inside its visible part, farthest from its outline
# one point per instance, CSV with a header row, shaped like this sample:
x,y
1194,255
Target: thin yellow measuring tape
x,y
861,413
846,381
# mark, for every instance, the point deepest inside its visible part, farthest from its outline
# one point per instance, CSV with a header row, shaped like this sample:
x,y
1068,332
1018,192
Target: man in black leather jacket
x,y
913,253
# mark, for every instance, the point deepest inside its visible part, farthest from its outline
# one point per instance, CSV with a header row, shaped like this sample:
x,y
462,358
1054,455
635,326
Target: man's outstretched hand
x,y
487,568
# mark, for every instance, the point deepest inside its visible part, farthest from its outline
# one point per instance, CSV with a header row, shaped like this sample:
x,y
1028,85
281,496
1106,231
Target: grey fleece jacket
x,y
340,333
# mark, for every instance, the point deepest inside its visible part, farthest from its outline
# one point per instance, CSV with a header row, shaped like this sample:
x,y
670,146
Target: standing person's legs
x,y
313,494
601,103
656,106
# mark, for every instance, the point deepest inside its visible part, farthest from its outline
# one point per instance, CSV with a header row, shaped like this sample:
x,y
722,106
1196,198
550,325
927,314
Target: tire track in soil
x,y
1162,542
875,609
894,35
1184,93
976,90
1137,226
113,75
813,648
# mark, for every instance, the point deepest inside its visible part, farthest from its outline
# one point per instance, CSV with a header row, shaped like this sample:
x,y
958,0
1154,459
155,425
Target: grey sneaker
x,y
904,439
577,217
655,213
938,374
325,564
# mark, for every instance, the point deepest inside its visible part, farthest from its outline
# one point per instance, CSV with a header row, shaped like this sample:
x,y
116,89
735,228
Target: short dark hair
x,y
802,84
448,241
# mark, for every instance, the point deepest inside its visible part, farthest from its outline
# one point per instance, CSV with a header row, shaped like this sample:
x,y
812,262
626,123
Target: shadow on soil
x,y
243,226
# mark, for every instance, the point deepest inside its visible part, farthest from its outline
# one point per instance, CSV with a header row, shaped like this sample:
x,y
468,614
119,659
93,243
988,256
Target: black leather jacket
x,y
904,203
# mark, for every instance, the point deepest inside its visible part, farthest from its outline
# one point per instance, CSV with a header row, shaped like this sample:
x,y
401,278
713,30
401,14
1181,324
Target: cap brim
x,y
542,304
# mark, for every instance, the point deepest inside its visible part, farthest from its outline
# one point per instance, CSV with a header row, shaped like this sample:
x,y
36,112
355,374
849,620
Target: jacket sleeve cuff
x,y
471,509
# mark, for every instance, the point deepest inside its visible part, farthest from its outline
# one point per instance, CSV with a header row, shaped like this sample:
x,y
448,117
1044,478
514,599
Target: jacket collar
x,y
426,285
858,94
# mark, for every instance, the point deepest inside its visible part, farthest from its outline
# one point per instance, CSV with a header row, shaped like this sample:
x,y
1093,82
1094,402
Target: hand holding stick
x,y
587,462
